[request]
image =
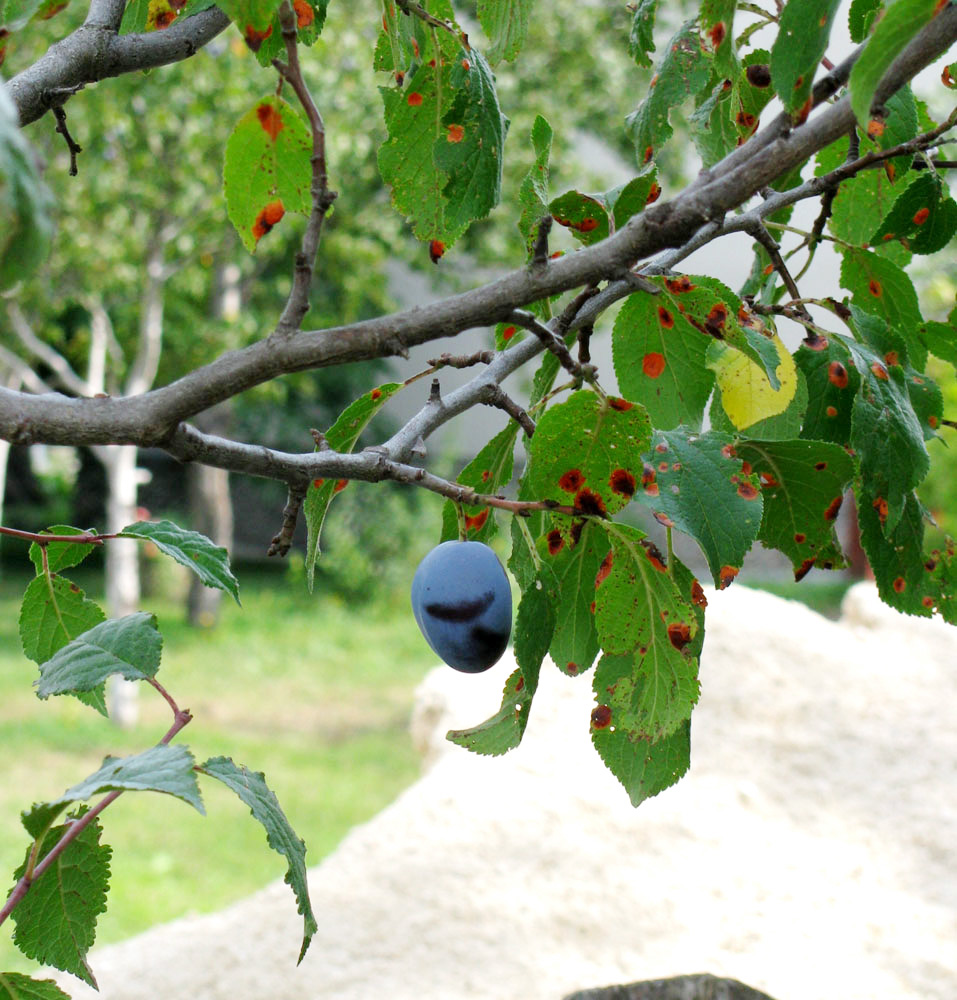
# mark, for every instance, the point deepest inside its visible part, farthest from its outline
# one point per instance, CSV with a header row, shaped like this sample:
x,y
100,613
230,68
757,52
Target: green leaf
x,y
642,616
832,383
61,555
574,552
921,216
641,40
586,453
629,200
471,148
487,472
880,287
53,612
56,920
696,483
861,17
533,193
341,437
803,484
713,127
505,22
683,71
16,986
25,201
166,769
502,731
129,646
251,788
941,340
267,170
252,17
805,28
310,18
901,21
717,24
886,435
191,549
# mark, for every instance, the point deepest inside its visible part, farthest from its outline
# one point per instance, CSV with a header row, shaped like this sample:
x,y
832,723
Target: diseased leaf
x,y
267,170
505,22
342,437
56,920
879,286
574,553
16,986
310,18
533,193
190,549
746,393
586,453
641,41
252,17
861,18
251,788
696,483
921,217
643,618
901,21
683,71
805,28
832,382
803,484
717,26
129,646
782,426
488,472
502,731
584,214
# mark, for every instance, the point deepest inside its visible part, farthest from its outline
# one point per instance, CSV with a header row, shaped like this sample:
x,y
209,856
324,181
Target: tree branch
x,y
95,52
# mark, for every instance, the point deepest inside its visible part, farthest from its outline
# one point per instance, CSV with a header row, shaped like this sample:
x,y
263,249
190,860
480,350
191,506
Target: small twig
x,y
72,145
540,247
43,540
281,543
414,9
584,344
458,361
552,342
435,392
949,423
498,397
759,231
568,315
297,305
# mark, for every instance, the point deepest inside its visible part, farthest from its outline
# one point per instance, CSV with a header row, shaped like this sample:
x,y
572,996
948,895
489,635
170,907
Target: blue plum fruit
x,y
462,601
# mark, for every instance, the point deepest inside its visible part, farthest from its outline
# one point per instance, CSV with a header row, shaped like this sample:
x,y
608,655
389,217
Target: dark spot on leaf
x,y
665,318
477,521
715,320
745,468
305,15
759,75
601,717
623,482
745,119
653,364
726,576
268,218
571,668
679,634
649,153
831,411
900,585
879,371
767,480
874,287
832,508
728,451
820,466
318,482
621,405
679,285
747,492
555,541
375,394
455,133
717,34
519,684
571,481
340,485
654,193
254,38
660,516
508,333
920,216
880,505
928,602
661,447
604,569
802,571
589,502
576,531
436,249
697,595
892,358
414,99
800,537
837,374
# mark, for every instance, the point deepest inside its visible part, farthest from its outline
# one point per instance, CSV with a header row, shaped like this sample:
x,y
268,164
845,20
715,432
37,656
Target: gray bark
x,y
702,986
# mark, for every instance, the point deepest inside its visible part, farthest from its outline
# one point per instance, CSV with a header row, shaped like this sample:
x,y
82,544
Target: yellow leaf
x,y
746,392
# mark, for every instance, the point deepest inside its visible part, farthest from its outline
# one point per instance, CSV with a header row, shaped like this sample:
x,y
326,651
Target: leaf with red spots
x,y
470,148
310,18
641,39
505,23
921,215
799,480
628,200
589,436
488,472
805,28
533,193
644,618
267,169
898,25
584,215
341,437
717,20
879,286
413,117
886,433
682,73
504,730
250,16
704,492
574,553
829,407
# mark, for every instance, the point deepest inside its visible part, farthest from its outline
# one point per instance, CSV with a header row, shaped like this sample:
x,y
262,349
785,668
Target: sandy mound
x,y
809,853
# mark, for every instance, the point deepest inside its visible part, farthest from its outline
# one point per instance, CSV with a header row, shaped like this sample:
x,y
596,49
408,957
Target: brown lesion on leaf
x,y
555,541
802,571
477,521
726,576
571,481
679,634
270,120
604,569
600,717
622,482
589,502
305,15
267,218
833,508
747,492
254,37
698,598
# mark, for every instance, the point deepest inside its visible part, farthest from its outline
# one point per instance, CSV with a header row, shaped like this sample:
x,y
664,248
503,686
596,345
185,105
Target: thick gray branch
x,y
155,418
94,52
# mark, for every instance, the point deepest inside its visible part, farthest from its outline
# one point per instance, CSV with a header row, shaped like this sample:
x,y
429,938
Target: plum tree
x,y
462,602
706,417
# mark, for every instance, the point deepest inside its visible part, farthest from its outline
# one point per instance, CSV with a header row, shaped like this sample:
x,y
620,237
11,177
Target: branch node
x,y
435,392
71,144
540,248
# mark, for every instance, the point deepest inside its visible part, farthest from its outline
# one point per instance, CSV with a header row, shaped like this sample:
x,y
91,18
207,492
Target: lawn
x,y
313,691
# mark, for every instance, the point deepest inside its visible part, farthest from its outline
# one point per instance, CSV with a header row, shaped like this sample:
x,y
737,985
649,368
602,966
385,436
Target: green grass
x,y
312,691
